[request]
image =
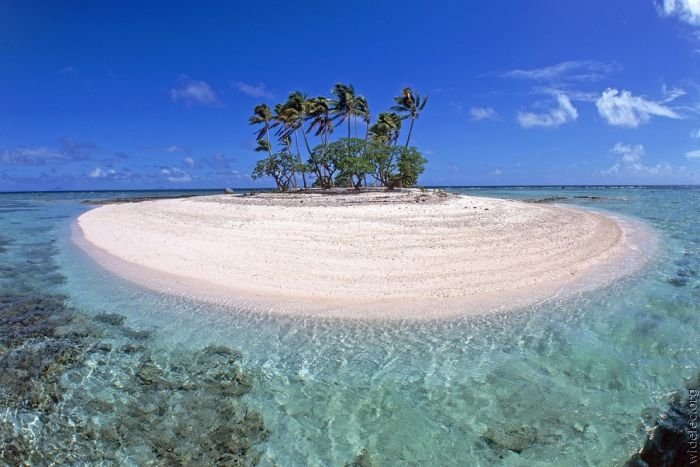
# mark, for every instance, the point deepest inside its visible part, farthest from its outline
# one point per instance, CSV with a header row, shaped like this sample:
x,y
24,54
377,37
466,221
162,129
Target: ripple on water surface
x,y
87,387
570,382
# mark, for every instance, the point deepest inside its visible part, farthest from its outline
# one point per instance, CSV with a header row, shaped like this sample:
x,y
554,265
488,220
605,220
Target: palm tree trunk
x,y
308,148
410,130
306,141
296,142
326,170
294,172
267,135
348,127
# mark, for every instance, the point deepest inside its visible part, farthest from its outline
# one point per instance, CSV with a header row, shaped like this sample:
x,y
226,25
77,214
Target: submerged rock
x,y
674,439
134,334
678,281
550,199
66,397
112,319
559,199
363,459
516,440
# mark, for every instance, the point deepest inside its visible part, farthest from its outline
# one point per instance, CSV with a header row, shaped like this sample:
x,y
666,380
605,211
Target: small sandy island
x,y
402,254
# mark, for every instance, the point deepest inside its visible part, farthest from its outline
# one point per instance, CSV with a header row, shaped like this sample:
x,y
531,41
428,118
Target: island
x,y
347,234
406,253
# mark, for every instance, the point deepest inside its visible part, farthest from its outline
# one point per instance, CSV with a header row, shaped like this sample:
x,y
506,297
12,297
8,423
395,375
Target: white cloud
x,y
97,173
189,162
70,150
194,92
630,154
111,174
496,172
671,94
483,113
572,70
630,163
695,133
175,175
254,90
30,156
693,154
564,112
621,108
685,10
175,148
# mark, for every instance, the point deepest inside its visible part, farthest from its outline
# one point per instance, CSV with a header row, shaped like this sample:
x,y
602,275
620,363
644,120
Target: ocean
x,y
95,369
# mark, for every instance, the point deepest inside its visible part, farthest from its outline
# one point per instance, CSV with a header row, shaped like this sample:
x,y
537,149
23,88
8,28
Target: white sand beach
x,y
406,254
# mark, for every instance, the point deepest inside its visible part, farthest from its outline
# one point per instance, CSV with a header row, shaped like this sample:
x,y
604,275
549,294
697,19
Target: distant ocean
x,y
95,369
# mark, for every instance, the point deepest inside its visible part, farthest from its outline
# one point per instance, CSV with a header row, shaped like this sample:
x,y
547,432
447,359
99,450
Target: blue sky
x,y
101,95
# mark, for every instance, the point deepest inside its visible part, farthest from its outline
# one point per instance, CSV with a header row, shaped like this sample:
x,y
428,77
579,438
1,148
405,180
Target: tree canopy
x,y
351,161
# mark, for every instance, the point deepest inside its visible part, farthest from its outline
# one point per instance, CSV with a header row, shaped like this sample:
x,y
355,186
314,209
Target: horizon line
x,y
561,186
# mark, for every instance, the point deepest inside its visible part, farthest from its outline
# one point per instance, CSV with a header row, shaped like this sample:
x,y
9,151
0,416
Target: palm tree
x,y
290,116
411,105
264,146
347,105
363,111
319,114
387,128
281,122
262,115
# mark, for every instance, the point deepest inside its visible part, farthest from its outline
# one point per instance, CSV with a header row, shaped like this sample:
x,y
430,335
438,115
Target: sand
x,y
406,255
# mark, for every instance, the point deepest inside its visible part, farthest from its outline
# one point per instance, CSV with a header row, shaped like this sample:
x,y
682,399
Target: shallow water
x,y
574,382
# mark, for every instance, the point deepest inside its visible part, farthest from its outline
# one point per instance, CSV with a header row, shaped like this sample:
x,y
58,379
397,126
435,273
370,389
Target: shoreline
x,y
448,250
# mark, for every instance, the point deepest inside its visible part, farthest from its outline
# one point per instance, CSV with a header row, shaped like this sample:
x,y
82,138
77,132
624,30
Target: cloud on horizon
x,y
630,163
630,154
175,175
30,156
111,174
70,150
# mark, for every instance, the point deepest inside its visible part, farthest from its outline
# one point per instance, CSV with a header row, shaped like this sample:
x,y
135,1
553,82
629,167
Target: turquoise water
x,y
574,382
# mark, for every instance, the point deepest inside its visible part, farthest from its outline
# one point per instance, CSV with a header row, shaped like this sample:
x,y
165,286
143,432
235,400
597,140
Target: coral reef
x,y
81,387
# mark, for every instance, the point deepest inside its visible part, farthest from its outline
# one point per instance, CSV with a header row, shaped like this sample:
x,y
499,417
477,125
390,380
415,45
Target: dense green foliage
x,y
280,166
348,161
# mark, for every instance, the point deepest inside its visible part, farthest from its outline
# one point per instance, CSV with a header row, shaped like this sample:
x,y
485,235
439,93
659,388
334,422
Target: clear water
x,y
575,382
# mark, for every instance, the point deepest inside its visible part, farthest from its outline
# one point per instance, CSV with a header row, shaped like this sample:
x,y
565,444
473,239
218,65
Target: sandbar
x,y
406,254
